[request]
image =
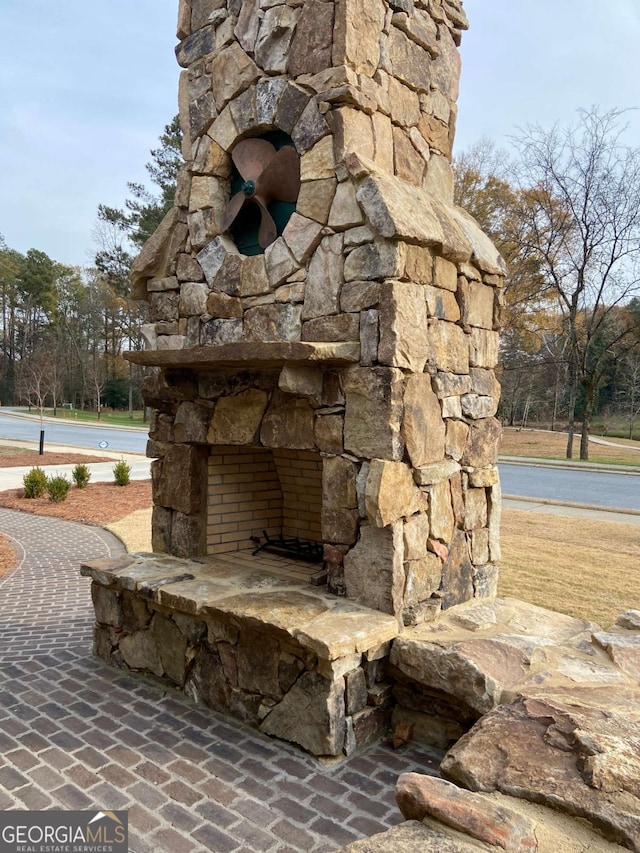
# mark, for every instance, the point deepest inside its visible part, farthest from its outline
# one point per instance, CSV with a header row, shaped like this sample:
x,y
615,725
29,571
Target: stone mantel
x,y
250,354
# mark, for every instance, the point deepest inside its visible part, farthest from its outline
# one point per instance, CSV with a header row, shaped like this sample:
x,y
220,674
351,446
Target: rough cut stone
x,y
449,347
357,35
276,322
423,429
232,71
274,38
373,412
391,493
403,326
373,568
374,260
311,45
481,450
311,715
420,796
563,751
316,198
288,423
323,279
236,420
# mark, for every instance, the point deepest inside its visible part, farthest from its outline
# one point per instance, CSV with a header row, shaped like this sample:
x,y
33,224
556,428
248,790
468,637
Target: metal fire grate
x,y
290,546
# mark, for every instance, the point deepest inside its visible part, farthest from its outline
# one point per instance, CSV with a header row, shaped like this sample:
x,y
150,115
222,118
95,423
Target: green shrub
x,y
81,475
58,488
35,483
122,473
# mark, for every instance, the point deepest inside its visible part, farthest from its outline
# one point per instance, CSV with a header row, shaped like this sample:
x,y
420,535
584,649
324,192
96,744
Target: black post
x,y
41,452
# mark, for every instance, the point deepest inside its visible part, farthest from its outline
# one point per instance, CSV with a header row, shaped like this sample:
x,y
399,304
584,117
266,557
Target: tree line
x,y
64,329
565,213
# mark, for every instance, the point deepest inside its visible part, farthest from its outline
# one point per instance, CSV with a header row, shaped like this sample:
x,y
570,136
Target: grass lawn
x,y
543,444
106,417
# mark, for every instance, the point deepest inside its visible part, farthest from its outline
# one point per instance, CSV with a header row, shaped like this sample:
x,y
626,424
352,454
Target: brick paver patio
x,y
75,734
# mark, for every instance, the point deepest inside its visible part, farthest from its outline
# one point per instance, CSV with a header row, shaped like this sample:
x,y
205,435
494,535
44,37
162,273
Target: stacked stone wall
x,y
376,256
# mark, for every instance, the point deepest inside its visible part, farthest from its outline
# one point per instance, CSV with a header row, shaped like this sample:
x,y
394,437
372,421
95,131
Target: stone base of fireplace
x,y
250,636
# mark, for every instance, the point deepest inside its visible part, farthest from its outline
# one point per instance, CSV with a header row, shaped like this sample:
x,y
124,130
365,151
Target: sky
x,y
87,87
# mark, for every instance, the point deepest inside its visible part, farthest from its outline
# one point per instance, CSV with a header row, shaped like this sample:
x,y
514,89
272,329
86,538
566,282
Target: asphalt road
x,y
595,488
128,440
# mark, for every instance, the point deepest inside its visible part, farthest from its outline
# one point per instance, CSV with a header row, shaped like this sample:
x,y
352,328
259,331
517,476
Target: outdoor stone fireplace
x,y
336,387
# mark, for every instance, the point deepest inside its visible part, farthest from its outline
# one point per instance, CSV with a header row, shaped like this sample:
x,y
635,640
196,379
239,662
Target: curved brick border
x,y
77,734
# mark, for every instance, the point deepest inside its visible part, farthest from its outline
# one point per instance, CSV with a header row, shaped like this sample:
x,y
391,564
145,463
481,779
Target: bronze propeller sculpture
x,y
268,175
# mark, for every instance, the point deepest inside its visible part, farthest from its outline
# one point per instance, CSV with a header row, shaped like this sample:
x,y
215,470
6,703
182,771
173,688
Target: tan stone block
x,y
302,380
445,274
288,423
311,46
406,103
436,472
423,578
193,299
224,307
419,264
403,326
207,192
356,39
439,178
416,534
420,27
324,277
232,71
316,199
441,516
274,38
383,142
339,482
183,28
495,514
279,261
337,327
375,260
390,493
483,348
478,305
442,304
224,130
358,295
476,407
178,478
409,62
475,514
483,444
302,236
373,412
253,277
328,431
345,210
423,429
236,420
275,322
374,571
449,347
408,163
318,162
445,69
484,477
456,438
451,407
480,546
352,133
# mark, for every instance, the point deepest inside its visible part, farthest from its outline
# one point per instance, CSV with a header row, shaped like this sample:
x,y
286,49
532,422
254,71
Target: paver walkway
x,y
75,734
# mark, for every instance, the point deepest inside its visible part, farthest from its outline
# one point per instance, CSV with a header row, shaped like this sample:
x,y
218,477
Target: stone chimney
x,y
337,387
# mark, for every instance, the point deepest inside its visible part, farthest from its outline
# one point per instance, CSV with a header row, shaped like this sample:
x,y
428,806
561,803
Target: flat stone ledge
x,y
245,354
330,627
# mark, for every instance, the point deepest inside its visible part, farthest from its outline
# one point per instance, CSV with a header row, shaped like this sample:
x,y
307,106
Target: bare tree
x,y
579,203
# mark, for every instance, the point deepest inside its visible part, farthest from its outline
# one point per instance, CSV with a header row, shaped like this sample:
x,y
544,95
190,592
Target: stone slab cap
x,y
259,354
329,626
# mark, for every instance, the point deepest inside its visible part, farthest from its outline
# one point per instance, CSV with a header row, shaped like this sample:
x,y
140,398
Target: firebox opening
x,y
253,490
